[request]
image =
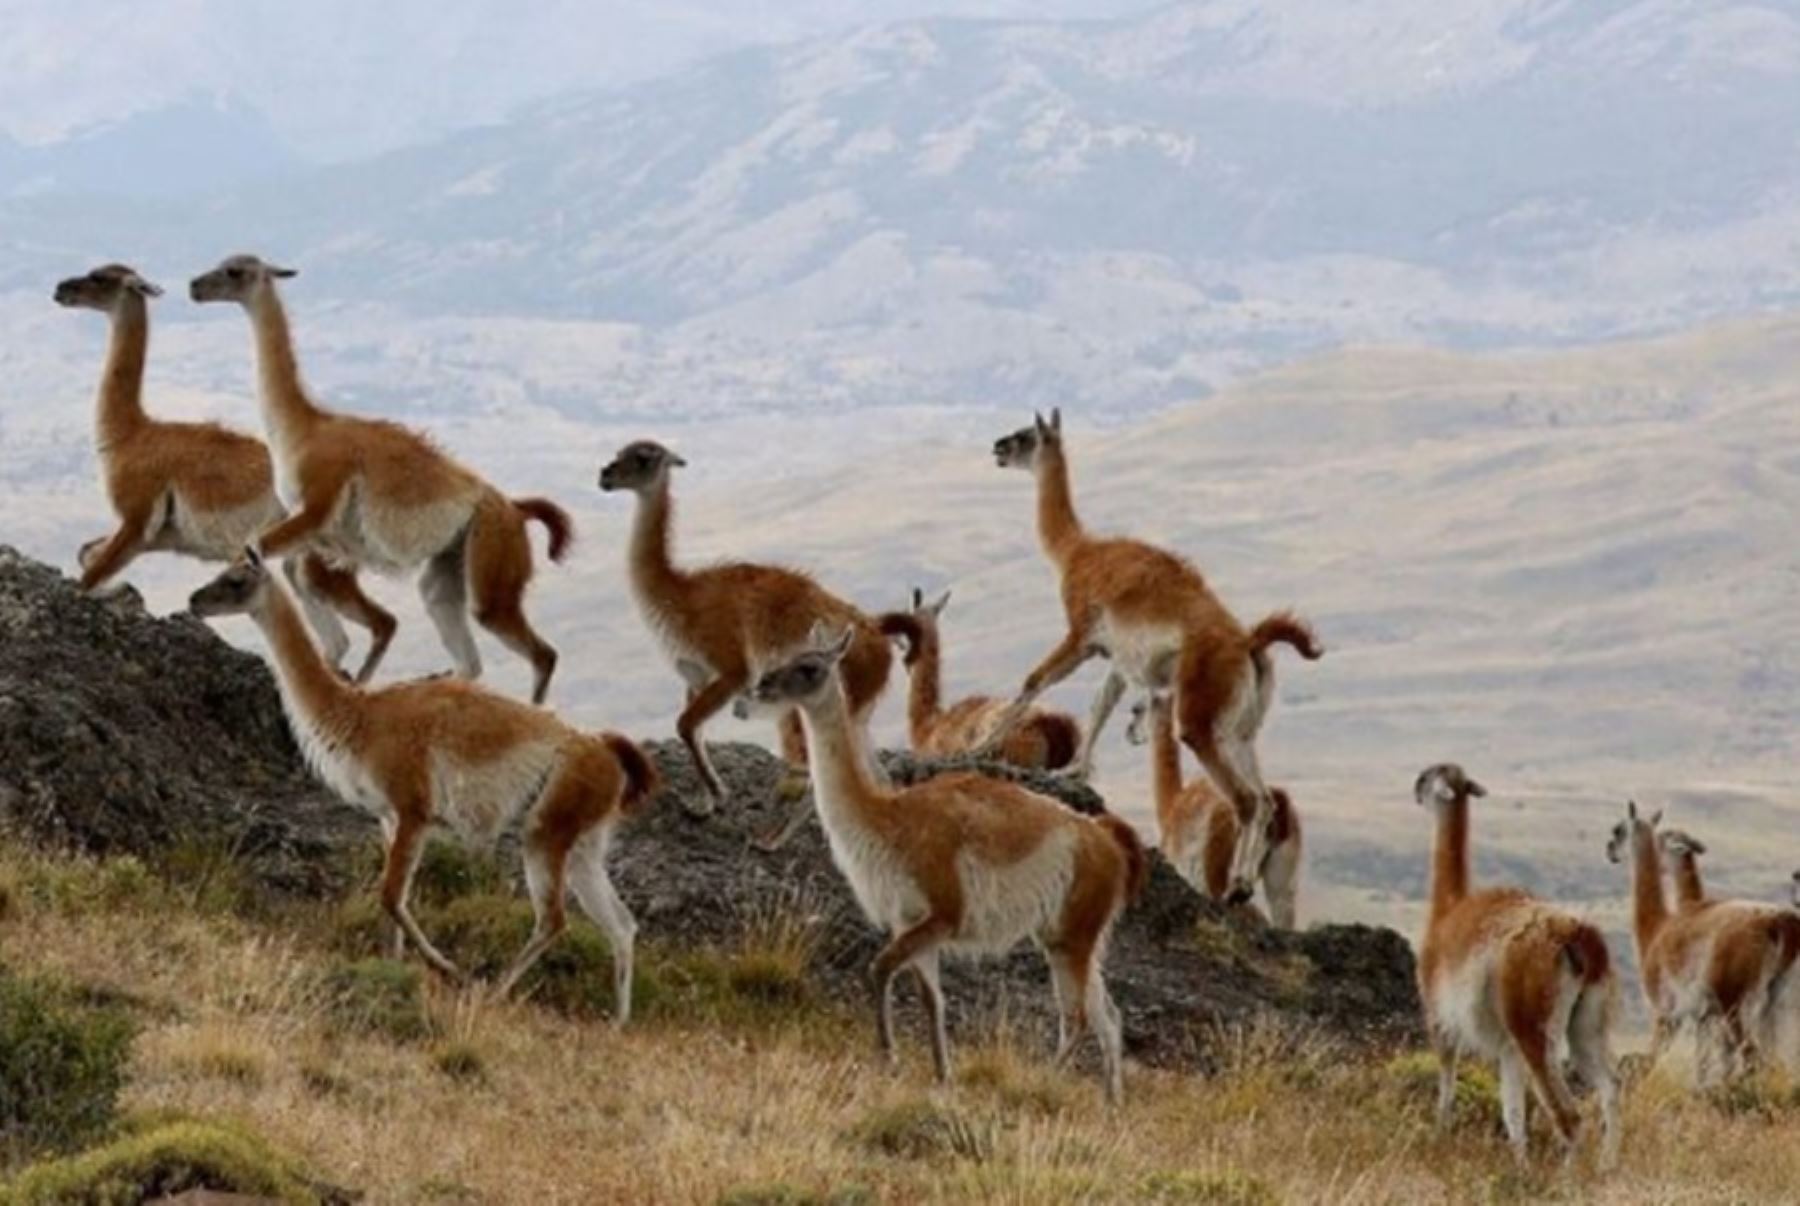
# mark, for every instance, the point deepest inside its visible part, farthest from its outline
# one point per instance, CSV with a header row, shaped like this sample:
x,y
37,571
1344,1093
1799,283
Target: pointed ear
x,y
1696,845
841,646
943,601
1631,810
283,274
819,637
1475,790
1037,421
143,288
1656,819
252,558
918,599
677,461
1056,420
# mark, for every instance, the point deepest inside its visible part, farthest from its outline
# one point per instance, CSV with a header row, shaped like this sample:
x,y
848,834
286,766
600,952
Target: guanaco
x,y
962,863
197,489
451,753
1152,615
375,494
721,624
1742,956
1044,739
1197,826
1504,976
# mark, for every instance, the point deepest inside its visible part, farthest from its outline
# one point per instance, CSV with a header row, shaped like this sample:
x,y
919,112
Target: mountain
x,y
1128,213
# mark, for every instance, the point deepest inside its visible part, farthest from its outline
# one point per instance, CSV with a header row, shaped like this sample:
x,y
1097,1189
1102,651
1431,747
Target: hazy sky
x,y
339,78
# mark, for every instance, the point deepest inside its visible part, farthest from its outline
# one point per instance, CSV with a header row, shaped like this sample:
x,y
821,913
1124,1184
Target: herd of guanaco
x,y
961,862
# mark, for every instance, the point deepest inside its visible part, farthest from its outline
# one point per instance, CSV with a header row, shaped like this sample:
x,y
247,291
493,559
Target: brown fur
x,y
337,456
1043,739
1197,826
399,733
1221,673
152,466
735,617
931,832
1530,947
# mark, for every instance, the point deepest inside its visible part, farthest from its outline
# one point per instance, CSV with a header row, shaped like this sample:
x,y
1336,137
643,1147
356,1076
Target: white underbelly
x,y
213,535
1003,905
390,539
477,799
1145,654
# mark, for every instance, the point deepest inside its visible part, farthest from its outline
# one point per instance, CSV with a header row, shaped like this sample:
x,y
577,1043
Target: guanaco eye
x,y
236,274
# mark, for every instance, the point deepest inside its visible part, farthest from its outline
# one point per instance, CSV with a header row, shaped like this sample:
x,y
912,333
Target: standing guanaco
x,y
962,863
1197,827
375,494
1044,739
197,489
452,753
1152,615
1506,977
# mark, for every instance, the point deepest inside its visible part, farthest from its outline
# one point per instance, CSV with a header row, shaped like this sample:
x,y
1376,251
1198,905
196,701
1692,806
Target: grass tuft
x,y
461,1062
166,1160
1204,1189
920,1130
379,997
62,1064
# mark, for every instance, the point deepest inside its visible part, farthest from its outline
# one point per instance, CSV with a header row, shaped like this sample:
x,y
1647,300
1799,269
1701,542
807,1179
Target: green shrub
x,y
461,1062
1413,1081
62,1064
163,1161
449,870
919,1130
1205,1189
378,996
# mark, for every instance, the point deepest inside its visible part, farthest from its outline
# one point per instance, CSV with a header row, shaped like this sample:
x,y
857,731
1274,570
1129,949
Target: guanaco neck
x,y
845,790
652,568
1689,889
287,410
1450,861
313,688
1165,763
120,403
1058,528
1649,909
924,702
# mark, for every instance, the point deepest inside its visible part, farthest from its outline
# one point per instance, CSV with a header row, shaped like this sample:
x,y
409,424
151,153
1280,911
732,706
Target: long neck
x,y
1450,861
924,702
1058,528
842,784
1648,908
651,565
1689,889
1165,759
121,399
287,411
313,687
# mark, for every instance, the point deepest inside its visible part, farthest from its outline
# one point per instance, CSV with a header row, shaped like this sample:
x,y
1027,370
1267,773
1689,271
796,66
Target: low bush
x,y
62,1063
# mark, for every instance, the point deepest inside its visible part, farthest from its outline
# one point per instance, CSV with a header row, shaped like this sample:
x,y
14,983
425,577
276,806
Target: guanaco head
x,y
1020,449
1619,843
238,278
238,589
1445,784
640,466
1678,843
104,289
1143,713
804,677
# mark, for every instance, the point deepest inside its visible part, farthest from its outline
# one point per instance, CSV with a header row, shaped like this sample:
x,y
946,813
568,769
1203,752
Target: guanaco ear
x,y
283,273
142,287
1037,422
837,648
1056,420
918,602
1475,790
1631,810
1656,819
252,558
943,601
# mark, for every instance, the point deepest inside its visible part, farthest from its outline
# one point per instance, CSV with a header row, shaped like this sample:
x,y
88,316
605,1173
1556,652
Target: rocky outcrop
x,y
122,732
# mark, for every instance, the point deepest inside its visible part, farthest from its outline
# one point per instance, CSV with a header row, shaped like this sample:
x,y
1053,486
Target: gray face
x,y
1137,731
103,288
796,682
1445,783
1018,450
638,466
236,279
1620,840
233,592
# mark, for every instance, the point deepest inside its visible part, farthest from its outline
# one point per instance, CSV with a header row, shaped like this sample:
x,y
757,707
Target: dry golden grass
x,y
779,1098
